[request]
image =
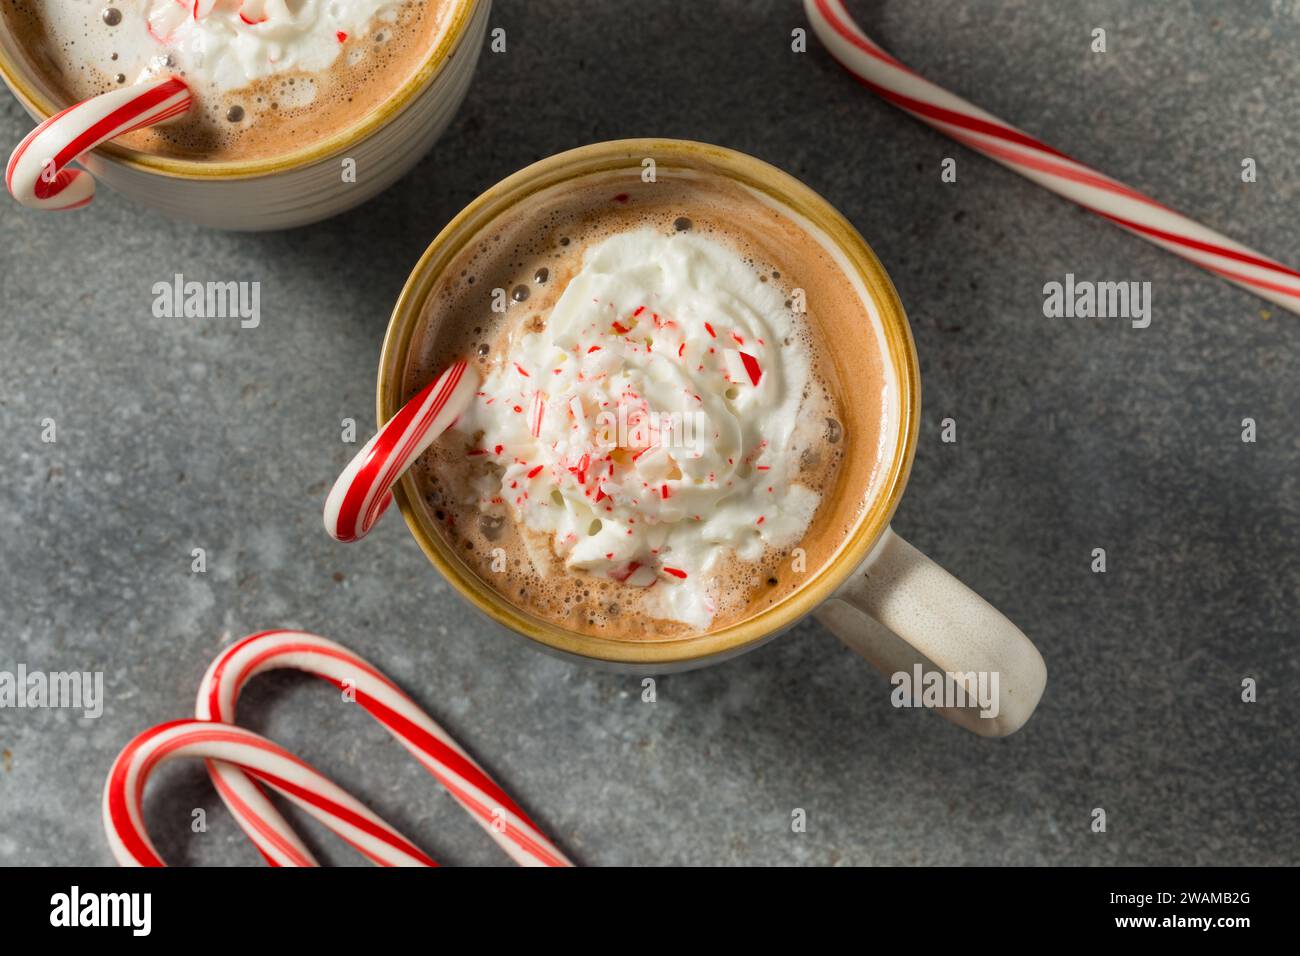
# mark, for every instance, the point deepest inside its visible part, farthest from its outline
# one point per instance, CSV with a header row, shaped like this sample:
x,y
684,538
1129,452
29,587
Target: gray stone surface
x,y
1073,434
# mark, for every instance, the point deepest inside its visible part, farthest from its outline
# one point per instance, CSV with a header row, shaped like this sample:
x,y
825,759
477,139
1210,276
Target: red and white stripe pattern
x,y
380,697
37,174
880,72
260,759
239,760
364,490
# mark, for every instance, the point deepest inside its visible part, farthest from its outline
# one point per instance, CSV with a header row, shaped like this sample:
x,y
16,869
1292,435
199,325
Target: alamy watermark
x,y
922,688
132,911
179,299
1085,299
647,429
75,690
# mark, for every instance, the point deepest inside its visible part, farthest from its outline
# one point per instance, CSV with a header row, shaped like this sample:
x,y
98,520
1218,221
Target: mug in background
x,y
880,595
301,186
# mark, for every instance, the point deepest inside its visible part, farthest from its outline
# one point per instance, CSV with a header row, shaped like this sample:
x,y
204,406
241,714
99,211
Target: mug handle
x,y
37,174
899,609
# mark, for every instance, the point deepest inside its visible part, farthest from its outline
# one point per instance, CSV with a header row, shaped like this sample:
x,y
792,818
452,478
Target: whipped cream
x,y
232,43
644,428
219,45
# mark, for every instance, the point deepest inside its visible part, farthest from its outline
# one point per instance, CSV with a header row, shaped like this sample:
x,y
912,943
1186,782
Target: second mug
x,y
253,115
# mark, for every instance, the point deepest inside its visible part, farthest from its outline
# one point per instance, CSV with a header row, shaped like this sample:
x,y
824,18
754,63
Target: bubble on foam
x,y
296,94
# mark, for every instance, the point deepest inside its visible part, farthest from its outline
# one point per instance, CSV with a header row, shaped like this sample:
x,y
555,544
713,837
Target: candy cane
x,y
883,74
37,174
239,759
364,490
262,760
486,802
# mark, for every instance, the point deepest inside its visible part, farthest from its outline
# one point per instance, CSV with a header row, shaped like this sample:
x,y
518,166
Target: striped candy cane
x,y
880,72
486,802
37,174
238,760
260,759
364,490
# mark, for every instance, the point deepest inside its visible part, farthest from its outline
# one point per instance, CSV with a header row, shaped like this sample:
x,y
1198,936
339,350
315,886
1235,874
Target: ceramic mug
x,y
300,186
880,595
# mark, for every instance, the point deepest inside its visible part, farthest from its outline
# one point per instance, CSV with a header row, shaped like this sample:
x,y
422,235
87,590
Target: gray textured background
x,y
1074,434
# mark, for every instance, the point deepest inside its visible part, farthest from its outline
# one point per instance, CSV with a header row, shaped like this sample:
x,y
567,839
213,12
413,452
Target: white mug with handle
x,y
303,185
882,597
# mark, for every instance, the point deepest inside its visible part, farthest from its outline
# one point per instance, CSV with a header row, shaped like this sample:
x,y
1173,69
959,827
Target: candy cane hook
x,y
37,174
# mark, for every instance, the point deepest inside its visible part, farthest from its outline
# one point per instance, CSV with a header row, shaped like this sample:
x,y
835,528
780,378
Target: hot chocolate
x,y
670,369
269,76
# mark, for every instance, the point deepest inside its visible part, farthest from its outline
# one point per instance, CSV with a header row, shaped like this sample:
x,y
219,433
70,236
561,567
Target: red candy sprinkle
x,y
625,573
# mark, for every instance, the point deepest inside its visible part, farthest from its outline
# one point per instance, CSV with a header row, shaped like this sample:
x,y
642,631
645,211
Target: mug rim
x,y
749,171
14,75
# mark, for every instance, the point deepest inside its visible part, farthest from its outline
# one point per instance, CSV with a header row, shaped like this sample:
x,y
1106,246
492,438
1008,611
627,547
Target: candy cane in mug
x,y
364,490
38,175
884,75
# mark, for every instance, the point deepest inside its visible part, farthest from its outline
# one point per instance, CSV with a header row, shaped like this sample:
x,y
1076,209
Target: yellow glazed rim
x,y
667,153
14,75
